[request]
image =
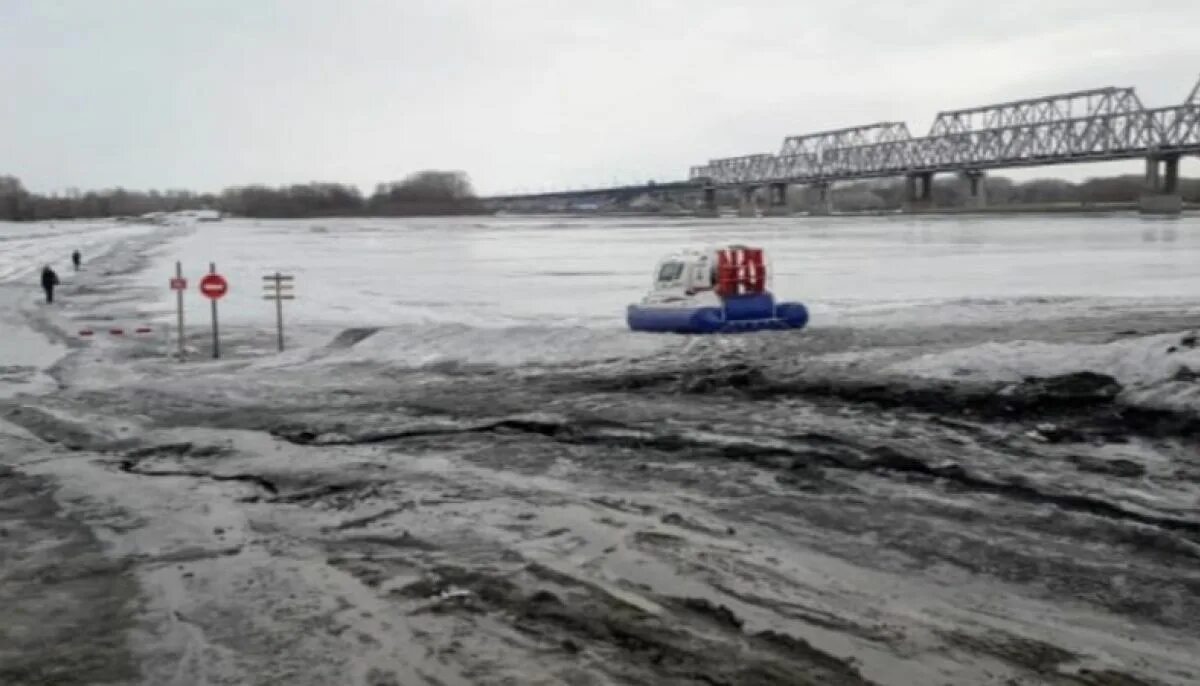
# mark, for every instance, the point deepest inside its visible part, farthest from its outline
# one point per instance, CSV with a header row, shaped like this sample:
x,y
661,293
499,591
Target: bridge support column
x,y
918,193
708,203
821,199
748,201
777,200
974,189
1161,194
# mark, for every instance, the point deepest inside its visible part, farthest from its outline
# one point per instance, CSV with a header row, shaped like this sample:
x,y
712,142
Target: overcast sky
x,y
204,94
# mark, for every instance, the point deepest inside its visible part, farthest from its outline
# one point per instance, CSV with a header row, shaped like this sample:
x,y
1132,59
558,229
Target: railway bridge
x,y
1093,125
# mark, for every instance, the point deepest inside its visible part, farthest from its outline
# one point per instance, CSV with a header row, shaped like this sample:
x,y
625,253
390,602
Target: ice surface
x,y
515,290
1140,361
294,516
25,351
1156,371
27,247
572,272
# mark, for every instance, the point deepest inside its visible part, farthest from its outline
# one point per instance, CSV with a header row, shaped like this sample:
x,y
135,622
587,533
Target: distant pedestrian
x,y
49,281
75,258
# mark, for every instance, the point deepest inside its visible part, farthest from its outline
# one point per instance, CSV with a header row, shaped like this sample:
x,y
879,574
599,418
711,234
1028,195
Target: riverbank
x,y
475,474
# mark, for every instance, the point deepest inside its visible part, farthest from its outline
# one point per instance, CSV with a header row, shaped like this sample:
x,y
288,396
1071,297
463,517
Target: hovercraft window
x,y
670,271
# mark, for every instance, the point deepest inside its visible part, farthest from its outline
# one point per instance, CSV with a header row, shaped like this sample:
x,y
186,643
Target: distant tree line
x,y
423,193
450,192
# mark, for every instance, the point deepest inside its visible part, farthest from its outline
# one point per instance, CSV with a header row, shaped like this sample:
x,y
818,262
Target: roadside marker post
x,y
279,288
179,285
214,287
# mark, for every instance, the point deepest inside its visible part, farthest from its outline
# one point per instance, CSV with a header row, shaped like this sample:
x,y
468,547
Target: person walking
x,y
49,281
75,258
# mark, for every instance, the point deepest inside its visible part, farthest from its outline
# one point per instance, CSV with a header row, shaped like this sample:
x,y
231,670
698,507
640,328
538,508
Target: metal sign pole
x,y
179,306
212,269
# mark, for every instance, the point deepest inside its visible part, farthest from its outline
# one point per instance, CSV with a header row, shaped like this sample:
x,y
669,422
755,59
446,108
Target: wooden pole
x,y
279,307
278,288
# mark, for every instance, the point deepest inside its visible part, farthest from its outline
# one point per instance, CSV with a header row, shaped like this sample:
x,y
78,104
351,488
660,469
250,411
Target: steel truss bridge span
x,y
1090,125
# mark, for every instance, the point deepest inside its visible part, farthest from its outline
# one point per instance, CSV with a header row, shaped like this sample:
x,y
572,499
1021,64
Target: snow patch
x,y
1159,371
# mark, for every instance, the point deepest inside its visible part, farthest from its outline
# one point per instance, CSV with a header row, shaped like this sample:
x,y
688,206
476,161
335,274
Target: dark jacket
x,y
49,278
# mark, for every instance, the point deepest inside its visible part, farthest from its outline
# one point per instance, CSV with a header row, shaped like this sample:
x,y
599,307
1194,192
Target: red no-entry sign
x,y
213,286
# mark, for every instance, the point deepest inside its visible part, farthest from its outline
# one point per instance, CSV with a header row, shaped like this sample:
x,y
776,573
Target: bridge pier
x,y
708,203
777,200
748,201
918,192
974,189
821,200
1161,194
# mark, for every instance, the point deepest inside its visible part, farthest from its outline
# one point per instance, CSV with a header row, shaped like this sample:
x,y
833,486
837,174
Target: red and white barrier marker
x,y
140,330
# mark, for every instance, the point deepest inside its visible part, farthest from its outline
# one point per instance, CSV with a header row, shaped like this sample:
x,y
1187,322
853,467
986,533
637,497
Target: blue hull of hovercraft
x,y
743,314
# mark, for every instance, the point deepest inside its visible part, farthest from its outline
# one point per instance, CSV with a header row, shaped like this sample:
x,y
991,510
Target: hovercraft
x,y
713,290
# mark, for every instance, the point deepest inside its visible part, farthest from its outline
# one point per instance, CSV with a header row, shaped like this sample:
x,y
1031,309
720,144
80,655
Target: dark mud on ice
x,y
66,606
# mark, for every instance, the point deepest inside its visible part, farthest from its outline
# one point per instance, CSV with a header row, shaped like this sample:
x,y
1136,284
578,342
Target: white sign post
x,y
279,288
179,285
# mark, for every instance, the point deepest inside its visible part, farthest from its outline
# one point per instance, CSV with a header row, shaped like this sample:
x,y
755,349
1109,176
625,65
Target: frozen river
x,y
482,289
978,465
568,272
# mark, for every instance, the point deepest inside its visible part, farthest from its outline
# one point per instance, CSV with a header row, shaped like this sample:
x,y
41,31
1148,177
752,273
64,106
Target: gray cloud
x,y
166,93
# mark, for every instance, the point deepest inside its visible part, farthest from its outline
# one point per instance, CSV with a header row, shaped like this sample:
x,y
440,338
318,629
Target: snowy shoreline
x,y
435,486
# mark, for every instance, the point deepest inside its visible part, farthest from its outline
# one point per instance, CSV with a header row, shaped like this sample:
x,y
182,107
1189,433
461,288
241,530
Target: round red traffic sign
x,y
213,286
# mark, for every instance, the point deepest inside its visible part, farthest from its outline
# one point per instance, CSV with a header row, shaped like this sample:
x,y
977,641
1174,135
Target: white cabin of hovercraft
x,y
692,274
684,272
